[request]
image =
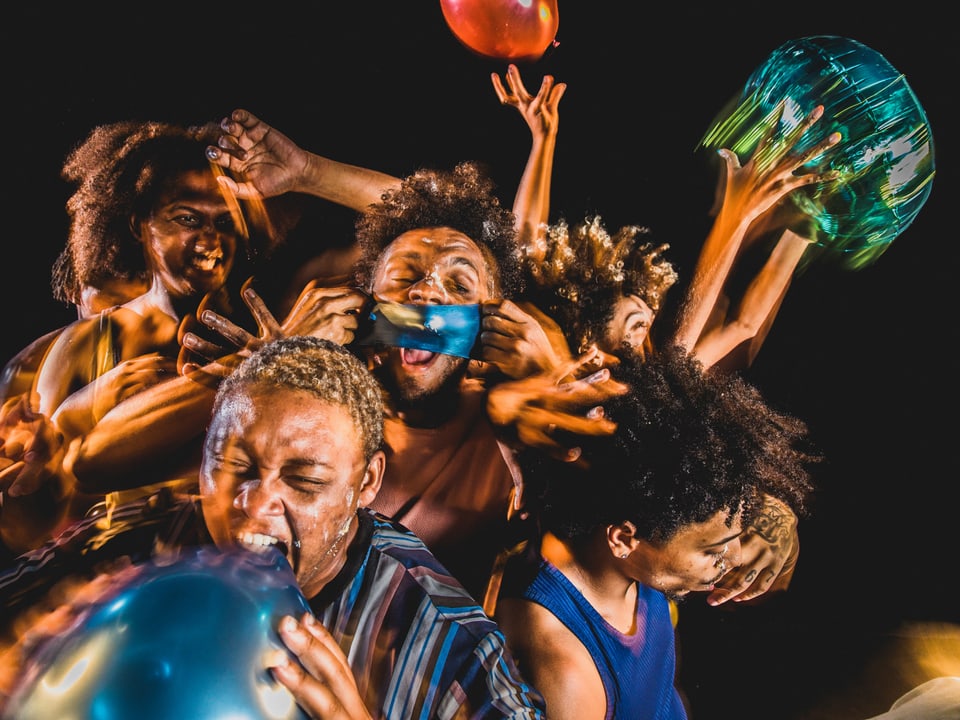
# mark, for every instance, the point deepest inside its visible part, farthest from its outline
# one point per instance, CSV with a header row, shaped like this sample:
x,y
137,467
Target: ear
x,y
622,539
134,224
372,478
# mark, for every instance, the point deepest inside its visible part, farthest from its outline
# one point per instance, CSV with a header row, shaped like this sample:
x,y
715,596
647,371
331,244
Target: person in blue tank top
x,y
648,514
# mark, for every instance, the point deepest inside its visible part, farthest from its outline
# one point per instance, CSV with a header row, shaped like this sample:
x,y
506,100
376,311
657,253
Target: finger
x,y
204,348
320,660
498,88
227,328
266,322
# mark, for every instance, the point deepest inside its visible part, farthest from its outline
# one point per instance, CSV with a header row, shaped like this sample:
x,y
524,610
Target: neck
x,y
597,574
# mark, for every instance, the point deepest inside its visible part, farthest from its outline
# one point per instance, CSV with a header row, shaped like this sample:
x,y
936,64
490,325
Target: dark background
x,y
867,357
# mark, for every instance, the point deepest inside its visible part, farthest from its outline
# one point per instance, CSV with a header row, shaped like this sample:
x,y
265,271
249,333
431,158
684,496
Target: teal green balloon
x,y
885,158
181,639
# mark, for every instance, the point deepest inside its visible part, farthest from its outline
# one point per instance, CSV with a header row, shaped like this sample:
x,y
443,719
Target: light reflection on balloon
x,y
183,639
511,30
885,157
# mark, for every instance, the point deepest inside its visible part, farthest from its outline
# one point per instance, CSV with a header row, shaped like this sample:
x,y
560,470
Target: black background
x,y
867,357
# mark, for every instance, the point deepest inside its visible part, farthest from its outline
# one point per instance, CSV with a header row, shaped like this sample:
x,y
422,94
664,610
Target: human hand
x,y
769,549
540,111
321,682
750,190
327,312
566,399
31,450
521,341
79,412
269,162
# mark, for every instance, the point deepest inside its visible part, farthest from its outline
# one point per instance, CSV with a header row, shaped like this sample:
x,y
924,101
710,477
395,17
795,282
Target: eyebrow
x,y
724,541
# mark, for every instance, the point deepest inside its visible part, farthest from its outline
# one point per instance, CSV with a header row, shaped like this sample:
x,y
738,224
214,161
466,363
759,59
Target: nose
x,y
428,290
259,498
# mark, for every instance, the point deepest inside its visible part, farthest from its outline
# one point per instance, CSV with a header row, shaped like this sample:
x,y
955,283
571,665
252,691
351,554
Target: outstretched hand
x,y
750,190
539,111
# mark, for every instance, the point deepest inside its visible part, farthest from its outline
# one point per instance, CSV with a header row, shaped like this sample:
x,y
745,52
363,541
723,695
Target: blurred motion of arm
x,y
711,325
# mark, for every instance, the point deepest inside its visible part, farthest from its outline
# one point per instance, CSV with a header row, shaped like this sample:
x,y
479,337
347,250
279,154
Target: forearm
x,y
710,275
532,202
348,185
146,428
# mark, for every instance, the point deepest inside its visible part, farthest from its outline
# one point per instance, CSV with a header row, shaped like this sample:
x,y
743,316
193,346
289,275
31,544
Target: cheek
x,y
327,517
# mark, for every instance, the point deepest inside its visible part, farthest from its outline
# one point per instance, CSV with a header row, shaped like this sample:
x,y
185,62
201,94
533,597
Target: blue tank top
x,y
637,670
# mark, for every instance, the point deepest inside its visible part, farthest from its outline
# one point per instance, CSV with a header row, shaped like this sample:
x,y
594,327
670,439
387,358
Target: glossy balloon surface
x,y
885,157
510,30
180,640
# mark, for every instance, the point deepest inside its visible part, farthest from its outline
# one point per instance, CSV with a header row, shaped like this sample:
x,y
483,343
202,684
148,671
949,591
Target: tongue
x,y
416,357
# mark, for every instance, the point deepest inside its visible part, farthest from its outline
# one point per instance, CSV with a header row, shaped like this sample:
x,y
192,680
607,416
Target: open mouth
x,y
259,542
208,261
410,356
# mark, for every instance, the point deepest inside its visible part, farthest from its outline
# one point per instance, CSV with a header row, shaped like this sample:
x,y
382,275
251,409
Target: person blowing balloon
x,y
291,462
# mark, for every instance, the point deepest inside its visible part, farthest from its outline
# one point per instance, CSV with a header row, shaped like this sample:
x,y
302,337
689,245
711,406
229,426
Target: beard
x,y
433,399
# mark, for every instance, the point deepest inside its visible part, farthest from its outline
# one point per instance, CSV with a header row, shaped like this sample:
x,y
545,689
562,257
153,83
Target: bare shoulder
x,y
551,657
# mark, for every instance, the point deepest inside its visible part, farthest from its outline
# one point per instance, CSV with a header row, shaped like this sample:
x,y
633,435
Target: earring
x,y
623,556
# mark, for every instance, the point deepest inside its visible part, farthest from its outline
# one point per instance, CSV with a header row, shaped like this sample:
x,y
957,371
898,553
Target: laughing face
x,y
190,238
284,468
430,265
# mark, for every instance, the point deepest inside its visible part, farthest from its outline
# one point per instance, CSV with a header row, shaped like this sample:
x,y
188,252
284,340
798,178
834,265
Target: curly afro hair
x,y
462,199
586,269
688,444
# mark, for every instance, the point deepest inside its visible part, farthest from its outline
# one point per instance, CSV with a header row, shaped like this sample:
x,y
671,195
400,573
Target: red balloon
x,y
511,30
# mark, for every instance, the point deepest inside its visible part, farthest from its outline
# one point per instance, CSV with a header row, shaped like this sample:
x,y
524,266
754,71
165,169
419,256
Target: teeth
x,y
258,539
208,261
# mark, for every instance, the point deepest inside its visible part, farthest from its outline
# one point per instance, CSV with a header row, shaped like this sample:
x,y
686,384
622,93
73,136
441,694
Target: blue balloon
x,y
183,639
885,157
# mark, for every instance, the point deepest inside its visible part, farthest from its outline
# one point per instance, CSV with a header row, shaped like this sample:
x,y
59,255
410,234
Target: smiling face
x,y
424,266
190,238
283,467
694,559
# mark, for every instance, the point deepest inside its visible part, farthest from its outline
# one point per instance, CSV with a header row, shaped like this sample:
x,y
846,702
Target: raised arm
x,y
749,192
272,164
532,202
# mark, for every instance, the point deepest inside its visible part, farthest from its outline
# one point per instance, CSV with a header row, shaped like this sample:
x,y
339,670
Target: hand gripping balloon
x,y
181,639
885,157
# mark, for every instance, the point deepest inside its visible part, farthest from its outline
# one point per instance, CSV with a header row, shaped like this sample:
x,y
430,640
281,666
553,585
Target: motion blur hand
x,y
566,399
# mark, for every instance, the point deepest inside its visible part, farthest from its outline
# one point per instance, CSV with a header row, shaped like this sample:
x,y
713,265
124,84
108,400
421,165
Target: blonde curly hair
x,y
585,270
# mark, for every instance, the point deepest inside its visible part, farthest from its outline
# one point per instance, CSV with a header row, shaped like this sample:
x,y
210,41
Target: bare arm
x,y
761,300
748,193
532,202
553,660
